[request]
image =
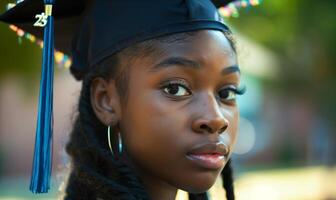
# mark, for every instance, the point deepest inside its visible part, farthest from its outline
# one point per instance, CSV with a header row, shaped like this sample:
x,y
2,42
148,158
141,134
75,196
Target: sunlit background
x,y
287,143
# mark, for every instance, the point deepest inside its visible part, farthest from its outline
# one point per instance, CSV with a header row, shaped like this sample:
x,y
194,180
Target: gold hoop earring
x,y
120,145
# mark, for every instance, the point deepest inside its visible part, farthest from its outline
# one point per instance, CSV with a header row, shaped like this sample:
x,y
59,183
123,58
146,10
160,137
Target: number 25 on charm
x,y
42,20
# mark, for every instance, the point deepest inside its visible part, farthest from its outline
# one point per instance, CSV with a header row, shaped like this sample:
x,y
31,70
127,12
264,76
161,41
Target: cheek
x,y
150,121
156,135
153,130
232,131
230,136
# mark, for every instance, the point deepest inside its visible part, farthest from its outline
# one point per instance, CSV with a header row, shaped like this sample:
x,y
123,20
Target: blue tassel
x,y
42,164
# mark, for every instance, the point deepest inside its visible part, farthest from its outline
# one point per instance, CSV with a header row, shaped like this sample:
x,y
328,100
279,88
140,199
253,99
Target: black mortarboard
x,y
90,31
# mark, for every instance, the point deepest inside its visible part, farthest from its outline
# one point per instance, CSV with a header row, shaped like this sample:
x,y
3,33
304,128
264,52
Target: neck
x,y
158,190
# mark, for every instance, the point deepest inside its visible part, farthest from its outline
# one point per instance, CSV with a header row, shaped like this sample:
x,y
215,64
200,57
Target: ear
x,y
105,101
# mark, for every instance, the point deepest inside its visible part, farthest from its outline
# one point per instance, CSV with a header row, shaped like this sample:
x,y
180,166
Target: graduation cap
x,y
90,31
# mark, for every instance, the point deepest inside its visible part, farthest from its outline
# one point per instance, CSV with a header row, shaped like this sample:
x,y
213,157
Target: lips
x,y
209,155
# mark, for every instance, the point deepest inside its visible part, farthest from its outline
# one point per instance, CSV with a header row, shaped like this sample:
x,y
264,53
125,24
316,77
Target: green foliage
x,y
18,55
303,34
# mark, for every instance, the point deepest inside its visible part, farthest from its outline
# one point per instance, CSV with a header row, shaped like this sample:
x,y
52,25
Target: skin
x,y
159,127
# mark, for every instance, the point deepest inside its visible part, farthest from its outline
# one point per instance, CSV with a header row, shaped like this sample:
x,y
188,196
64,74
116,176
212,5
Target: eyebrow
x,y
186,63
231,69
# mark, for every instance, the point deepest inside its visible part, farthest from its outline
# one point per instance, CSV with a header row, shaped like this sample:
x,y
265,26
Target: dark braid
x,y
228,181
96,174
202,196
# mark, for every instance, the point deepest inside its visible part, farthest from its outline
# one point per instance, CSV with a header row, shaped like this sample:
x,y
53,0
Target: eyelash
x,y
178,83
181,83
236,91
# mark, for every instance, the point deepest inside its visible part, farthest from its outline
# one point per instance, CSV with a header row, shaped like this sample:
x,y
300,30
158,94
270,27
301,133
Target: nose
x,y
211,119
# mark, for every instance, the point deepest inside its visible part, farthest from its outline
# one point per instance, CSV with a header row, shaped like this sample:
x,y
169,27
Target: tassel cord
x,y
42,162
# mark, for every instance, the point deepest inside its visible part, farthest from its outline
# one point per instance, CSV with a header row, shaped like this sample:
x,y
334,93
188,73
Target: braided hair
x,y
95,173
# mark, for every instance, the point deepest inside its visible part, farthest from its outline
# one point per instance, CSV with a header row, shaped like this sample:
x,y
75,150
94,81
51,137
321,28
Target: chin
x,y
200,188
200,184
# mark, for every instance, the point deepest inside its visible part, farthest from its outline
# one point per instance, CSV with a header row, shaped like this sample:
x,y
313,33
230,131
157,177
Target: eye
x,y
176,89
227,94
230,93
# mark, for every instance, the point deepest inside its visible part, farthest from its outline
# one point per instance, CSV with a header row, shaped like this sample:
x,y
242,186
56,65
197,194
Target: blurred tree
x,y
303,34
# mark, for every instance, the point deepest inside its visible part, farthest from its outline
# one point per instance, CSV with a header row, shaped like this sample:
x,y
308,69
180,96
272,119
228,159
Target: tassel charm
x,y
42,163
42,18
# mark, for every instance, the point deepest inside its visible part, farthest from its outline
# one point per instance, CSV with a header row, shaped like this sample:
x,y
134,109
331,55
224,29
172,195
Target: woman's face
x,y
179,124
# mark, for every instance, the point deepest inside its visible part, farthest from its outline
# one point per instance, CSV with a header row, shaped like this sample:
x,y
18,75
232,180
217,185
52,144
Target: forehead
x,y
205,47
204,38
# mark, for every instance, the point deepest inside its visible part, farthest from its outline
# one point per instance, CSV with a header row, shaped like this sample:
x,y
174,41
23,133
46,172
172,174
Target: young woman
x,y
157,110
172,101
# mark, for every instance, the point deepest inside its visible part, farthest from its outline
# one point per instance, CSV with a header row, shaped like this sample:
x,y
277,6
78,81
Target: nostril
x,y
212,128
206,127
203,126
222,130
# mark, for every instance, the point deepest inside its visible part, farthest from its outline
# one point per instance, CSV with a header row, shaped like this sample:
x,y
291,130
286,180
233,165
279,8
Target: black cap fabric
x,y
114,25
91,30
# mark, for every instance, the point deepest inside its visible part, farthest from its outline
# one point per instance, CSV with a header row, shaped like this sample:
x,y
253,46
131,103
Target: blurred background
x,y
287,143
